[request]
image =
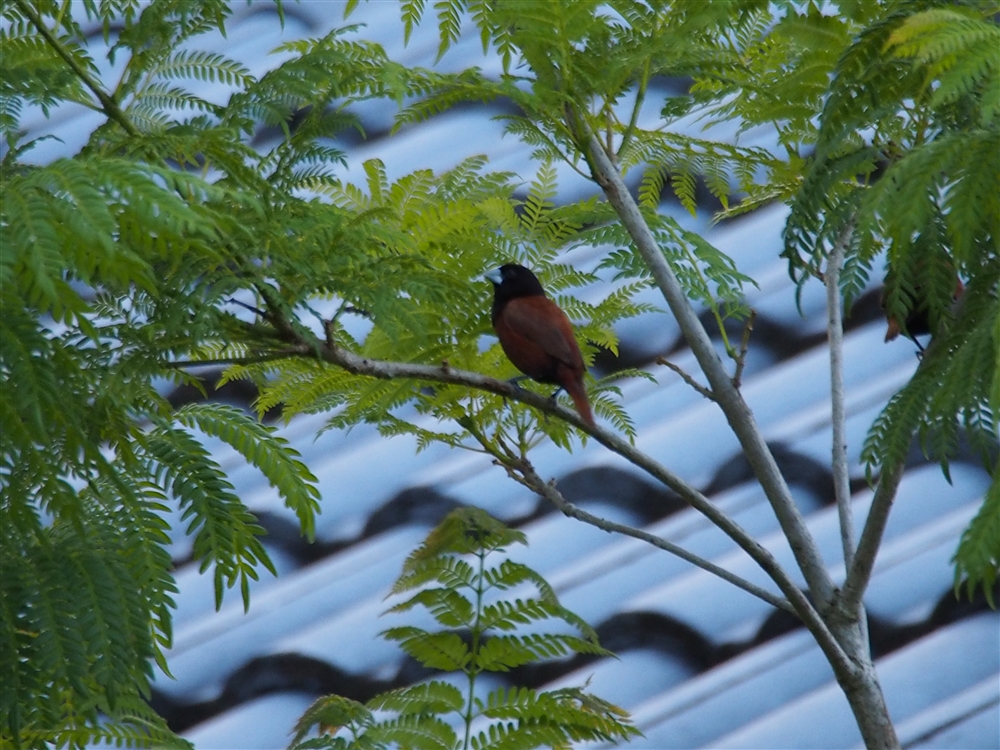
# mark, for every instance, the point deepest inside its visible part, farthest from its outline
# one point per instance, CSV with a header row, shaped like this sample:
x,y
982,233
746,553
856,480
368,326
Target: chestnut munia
x,y
536,335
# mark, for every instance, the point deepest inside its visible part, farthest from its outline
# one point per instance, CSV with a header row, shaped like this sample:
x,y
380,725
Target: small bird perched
x,y
917,322
536,335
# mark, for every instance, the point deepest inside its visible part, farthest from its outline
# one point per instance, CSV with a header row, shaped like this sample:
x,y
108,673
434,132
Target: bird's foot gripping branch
x,y
536,335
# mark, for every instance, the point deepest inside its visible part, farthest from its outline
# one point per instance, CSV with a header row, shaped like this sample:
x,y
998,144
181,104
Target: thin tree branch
x,y
838,419
860,572
737,413
245,306
799,605
251,360
383,370
686,378
640,97
108,104
741,360
835,328
524,473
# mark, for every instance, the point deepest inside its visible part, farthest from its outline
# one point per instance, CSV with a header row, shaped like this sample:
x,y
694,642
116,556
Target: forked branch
x,y
524,473
301,344
737,413
108,103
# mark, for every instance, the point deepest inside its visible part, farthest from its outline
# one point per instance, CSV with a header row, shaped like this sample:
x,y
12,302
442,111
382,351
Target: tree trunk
x,y
862,688
846,624
864,693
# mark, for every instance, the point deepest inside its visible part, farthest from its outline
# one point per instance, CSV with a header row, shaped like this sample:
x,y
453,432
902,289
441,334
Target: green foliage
x,y
581,80
958,46
709,277
455,579
118,265
922,84
443,233
113,266
269,453
977,560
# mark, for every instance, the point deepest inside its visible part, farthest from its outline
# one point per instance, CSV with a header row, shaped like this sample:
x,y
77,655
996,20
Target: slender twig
x,y
526,475
384,370
520,469
741,360
835,328
108,104
735,409
687,378
245,306
860,572
640,97
251,360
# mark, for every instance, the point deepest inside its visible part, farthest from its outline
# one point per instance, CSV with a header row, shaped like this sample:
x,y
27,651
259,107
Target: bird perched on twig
x,y
918,321
536,335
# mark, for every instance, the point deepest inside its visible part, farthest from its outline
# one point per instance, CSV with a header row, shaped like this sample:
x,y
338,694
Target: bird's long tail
x,y
574,387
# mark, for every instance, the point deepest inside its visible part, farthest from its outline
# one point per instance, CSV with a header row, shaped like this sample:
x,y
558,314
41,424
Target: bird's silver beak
x,y
495,276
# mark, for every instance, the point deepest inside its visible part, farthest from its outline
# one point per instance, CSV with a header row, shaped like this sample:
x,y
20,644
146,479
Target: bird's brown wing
x,y
540,321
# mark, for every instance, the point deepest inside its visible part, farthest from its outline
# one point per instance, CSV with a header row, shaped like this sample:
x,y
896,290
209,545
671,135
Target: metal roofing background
x,y
702,664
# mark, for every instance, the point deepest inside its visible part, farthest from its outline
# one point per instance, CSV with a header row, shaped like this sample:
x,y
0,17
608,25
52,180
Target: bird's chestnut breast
x,y
538,338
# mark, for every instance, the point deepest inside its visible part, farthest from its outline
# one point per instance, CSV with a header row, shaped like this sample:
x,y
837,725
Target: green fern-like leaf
x,y
464,531
413,730
269,453
503,652
476,637
958,49
952,386
204,66
452,571
427,697
444,650
450,608
977,560
328,714
449,17
225,532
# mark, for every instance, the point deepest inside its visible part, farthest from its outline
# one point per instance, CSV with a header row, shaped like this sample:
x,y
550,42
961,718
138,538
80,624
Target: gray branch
x,y
835,328
358,365
860,572
686,378
737,413
526,475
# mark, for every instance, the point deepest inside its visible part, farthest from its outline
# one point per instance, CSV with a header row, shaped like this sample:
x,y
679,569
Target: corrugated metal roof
x,y
702,664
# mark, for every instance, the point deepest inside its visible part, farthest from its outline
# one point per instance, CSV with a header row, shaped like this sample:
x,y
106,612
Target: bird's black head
x,y
511,281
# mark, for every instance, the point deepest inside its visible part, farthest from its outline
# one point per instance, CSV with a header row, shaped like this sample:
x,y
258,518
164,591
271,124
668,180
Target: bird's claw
x,y
516,381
